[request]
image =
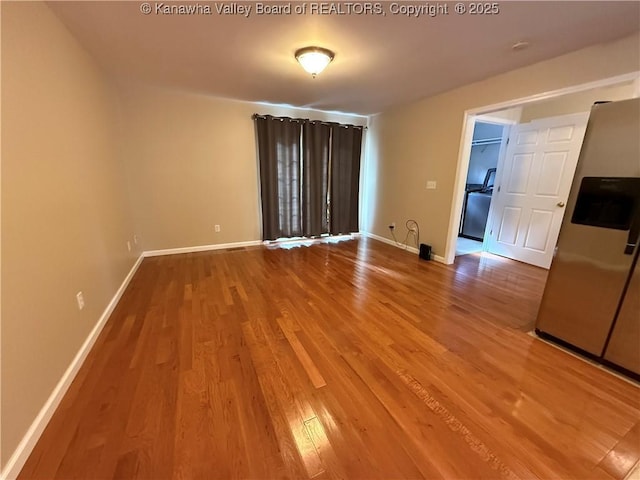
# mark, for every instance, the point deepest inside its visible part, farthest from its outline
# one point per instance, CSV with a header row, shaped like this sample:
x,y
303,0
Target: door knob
x,y
560,204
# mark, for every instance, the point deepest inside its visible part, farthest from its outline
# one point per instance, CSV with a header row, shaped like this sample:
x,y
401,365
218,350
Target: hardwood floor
x,y
346,360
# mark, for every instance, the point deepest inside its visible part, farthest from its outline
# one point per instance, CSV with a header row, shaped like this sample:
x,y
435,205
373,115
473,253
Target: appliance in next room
x,y
475,208
591,300
486,146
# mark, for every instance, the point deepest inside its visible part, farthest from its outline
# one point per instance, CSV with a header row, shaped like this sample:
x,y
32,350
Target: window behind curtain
x,y
280,180
309,177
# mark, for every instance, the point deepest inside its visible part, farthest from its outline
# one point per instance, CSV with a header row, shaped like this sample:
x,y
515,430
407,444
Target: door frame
x,y
464,151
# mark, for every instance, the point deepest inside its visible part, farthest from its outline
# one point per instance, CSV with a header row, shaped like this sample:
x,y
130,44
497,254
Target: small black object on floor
x,y
425,251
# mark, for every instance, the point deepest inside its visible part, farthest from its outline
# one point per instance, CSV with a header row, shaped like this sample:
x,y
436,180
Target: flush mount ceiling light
x,y
314,59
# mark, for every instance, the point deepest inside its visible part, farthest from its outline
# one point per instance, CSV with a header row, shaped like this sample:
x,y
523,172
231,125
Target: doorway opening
x,y
486,147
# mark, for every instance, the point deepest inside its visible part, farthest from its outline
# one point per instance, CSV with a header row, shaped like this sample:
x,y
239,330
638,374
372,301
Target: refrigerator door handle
x,y
632,239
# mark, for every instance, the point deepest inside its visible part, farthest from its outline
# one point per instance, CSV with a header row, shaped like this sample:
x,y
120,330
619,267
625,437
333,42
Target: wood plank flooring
x,y
351,360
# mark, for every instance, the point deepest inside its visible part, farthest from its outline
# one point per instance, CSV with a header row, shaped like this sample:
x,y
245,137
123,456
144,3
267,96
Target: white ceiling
x,y
380,61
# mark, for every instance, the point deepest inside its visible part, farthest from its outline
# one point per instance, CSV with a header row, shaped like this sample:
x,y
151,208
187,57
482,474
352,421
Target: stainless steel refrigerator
x,y
591,301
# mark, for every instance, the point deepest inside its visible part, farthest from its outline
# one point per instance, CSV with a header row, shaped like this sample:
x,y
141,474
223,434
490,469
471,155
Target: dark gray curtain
x,y
315,178
280,182
346,142
309,177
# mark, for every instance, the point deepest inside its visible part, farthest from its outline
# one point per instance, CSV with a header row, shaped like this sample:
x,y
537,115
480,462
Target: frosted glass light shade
x,y
314,59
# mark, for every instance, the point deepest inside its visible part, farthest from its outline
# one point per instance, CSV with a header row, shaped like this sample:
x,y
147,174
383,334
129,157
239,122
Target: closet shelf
x,y
486,141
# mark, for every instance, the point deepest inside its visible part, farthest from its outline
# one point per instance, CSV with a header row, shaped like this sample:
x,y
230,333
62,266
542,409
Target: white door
x,y
532,187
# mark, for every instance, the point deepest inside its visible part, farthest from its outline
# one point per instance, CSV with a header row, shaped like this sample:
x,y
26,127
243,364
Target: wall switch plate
x,y
128,245
217,228
432,185
80,300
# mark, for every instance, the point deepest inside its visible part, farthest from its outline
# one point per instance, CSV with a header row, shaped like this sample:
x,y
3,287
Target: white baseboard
x,y
200,248
436,258
439,259
24,448
391,242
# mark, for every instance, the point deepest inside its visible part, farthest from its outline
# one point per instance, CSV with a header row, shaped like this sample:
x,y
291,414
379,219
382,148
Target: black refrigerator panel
x,y
476,215
607,202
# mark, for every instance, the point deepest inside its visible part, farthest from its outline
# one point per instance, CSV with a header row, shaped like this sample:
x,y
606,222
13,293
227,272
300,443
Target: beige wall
x,y
411,144
576,102
191,163
64,221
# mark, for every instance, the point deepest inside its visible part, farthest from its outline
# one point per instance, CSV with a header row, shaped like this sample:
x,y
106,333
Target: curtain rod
x,y
299,120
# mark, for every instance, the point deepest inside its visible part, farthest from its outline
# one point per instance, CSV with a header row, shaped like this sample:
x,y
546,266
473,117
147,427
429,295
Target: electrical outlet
x,y
432,185
217,228
392,225
80,300
135,239
128,245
